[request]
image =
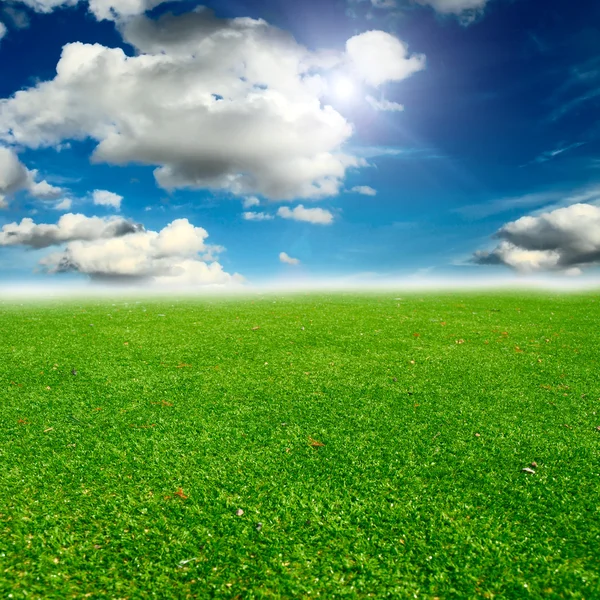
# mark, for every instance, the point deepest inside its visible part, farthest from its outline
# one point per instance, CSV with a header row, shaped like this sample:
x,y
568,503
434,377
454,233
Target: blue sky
x,y
272,140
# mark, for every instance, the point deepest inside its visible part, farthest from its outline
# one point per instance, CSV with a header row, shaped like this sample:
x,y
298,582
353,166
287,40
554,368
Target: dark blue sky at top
x,y
479,125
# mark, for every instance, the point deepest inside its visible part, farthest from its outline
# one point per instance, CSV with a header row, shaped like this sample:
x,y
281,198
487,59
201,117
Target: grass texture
x,y
301,446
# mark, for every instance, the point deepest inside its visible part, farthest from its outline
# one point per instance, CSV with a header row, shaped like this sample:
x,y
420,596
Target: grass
x,y
184,412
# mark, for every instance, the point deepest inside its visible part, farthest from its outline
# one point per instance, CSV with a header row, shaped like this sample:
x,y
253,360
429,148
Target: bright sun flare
x,y
344,88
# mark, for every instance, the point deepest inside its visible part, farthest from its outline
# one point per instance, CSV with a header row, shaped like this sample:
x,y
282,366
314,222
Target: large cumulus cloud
x,y
566,239
231,104
116,249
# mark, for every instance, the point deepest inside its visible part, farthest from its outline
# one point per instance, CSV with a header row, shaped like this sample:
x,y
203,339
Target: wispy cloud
x,y
550,154
548,200
385,105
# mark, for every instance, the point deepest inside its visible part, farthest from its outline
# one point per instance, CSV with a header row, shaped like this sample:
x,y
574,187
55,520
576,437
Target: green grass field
x,y
379,440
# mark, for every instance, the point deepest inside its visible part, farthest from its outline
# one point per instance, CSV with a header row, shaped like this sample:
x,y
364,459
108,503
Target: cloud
x,y
563,239
250,202
467,11
378,57
317,216
224,104
364,189
42,189
556,198
2,30
102,9
106,198
17,17
550,154
383,3
288,260
385,105
257,216
14,177
177,255
70,227
64,204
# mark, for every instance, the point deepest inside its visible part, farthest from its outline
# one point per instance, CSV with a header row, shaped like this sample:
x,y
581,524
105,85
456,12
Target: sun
x,y
343,88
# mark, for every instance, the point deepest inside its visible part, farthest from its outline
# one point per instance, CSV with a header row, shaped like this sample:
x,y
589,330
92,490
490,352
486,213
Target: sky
x,y
245,142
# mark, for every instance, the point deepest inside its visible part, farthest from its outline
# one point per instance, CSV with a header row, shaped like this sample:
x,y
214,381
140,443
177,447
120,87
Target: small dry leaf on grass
x,y
125,343
533,465
259,526
517,349
180,493
315,443
528,470
239,512
255,328
49,429
461,341
181,365
477,435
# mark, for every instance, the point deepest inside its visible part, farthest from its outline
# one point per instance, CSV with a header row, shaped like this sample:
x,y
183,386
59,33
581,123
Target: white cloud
x,y
231,104
65,204
250,202
466,10
178,254
378,57
102,9
384,3
42,189
563,239
14,177
364,189
317,216
256,216
70,227
386,105
285,258
2,30
106,198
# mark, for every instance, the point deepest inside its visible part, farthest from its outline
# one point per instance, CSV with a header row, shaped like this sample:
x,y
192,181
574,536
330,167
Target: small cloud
x,y
287,259
467,11
550,154
385,105
18,18
42,189
250,202
64,204
383,3
378,57
106,198
2,30
317,216
257,216
365,190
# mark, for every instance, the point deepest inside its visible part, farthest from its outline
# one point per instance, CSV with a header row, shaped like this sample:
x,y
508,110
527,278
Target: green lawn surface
x,y
375,444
